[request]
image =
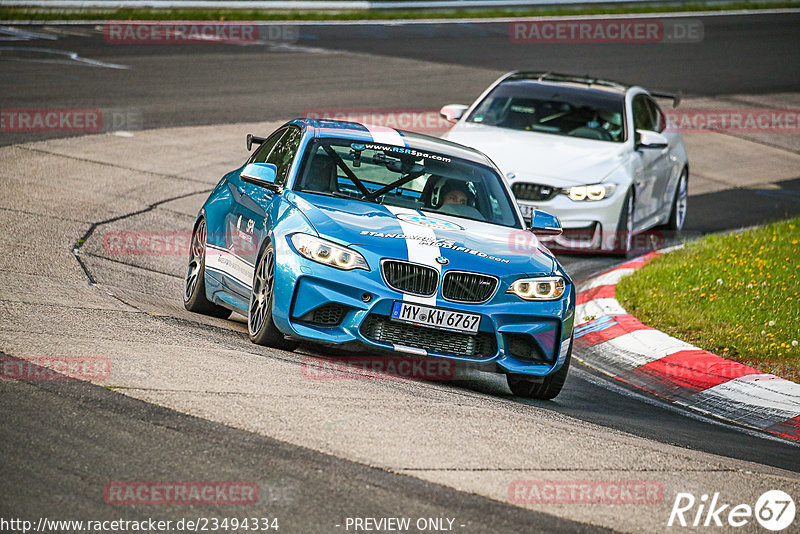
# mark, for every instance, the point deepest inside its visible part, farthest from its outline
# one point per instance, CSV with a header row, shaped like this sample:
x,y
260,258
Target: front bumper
x,y
588,225
327,305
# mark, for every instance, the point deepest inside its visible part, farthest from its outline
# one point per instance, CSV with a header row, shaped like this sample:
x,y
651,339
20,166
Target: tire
x,y
623,237
677,215
260,326
543,389
194,290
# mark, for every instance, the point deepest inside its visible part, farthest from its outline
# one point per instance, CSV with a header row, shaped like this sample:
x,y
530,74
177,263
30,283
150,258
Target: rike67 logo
x,y
774,510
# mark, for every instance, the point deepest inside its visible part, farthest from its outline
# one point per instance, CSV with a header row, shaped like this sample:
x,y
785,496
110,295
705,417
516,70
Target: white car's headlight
x,y
543,288
590,192
329,253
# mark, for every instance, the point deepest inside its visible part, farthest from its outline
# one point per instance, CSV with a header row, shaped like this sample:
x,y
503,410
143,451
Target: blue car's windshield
x,y
405,177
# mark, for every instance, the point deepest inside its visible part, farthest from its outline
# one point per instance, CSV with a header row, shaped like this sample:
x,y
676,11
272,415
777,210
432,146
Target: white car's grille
x,y
534,192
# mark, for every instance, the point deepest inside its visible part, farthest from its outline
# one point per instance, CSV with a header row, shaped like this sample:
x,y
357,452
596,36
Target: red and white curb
x,y
614,342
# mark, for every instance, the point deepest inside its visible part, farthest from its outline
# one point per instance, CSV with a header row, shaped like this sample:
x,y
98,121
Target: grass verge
x,y
38,13
736,295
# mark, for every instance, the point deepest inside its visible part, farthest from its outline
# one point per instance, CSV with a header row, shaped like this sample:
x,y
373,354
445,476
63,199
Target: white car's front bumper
x,y
588,225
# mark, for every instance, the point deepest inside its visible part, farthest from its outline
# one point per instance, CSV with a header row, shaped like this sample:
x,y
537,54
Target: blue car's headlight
x,y
542,288
323,251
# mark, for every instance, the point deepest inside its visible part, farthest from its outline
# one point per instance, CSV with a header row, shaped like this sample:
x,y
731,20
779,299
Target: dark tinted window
x,y
554,109
283,153
642,114
407,178
260,155
659,121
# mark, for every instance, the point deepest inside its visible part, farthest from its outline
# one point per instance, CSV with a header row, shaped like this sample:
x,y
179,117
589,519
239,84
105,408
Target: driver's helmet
x,y
451,191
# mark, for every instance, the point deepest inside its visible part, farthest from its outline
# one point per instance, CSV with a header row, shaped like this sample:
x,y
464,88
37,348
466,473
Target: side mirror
x,y
650,139
260,174
543,223
453,112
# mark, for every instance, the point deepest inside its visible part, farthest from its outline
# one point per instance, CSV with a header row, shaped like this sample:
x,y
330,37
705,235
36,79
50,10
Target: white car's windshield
x,y
406,177
553,109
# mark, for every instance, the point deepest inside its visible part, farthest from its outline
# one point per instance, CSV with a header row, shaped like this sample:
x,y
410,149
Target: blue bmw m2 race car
x,y
343,233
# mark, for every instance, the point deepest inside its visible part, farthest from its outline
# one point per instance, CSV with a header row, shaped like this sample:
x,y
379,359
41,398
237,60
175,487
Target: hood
x,y
553,159
387,232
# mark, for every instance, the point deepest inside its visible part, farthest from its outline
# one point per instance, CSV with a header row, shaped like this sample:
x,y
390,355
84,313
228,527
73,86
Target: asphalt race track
x,y
194,400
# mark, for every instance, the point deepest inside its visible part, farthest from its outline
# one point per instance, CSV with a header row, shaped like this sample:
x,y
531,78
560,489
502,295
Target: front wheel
x,y
260,326
543,389
677,216
624,236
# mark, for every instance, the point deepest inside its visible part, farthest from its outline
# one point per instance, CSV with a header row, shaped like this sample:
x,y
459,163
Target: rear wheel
x,y
194,293
260,326
543,389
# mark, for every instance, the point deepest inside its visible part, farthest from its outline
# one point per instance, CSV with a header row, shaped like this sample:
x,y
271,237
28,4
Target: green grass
x,y
31,13
736,295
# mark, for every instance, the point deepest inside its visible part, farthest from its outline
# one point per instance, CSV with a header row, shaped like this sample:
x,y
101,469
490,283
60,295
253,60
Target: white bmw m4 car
x,y
596,153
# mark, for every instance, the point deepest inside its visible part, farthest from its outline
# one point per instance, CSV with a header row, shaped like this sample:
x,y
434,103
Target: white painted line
x,y
13,34
607,279
597,308
651,344
417,252
758,400
70,56
691,413
386,136
633,349
670,249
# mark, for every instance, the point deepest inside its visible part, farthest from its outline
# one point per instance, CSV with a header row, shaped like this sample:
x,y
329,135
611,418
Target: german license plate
x,y
436,317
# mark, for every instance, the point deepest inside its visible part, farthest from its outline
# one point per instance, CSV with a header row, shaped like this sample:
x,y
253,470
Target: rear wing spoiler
x,y
251,139
675,97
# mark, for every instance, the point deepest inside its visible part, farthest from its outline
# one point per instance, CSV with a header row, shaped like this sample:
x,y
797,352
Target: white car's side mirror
x,y
453,112
650,139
